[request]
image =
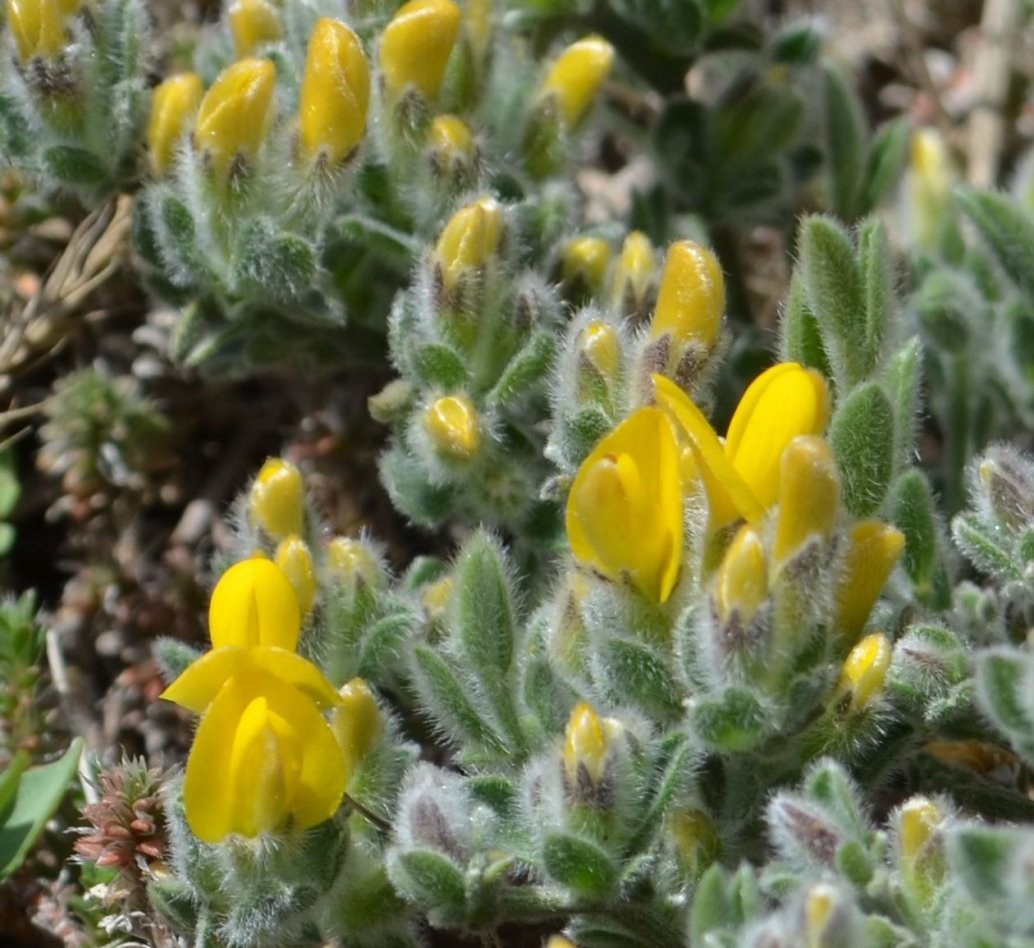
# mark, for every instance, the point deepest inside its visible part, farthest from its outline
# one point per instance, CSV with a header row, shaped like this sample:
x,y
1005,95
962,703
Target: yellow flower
x,y
585,746
453,426
469,241
295,560
624,512
236,114
634,270
335,96
742,583
37,27
577,75
276,502
416,46
691,298
173,107
865,669
809,495
741,477
254,622
252,23
872,551
263,760
586,259
356,722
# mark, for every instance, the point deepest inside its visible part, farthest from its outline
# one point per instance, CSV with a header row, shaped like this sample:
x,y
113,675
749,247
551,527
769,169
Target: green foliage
x,y
28,798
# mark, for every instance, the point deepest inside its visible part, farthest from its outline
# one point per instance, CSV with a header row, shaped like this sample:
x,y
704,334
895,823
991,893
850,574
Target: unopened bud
x,y
873,550
691,298
585,263
576,77
174,104
350,562
918,822
416,46
335,94
601,347
295,559
586,744
37,28
1006,479
696,842
865,668
453,426
742,584
451,148
277,499
633,273
235,115
356,722
253,23
469,241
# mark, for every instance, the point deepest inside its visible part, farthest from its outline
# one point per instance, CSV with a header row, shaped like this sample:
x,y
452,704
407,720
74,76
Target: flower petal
x,y
783,402
729,495
199,683
295,671
254,603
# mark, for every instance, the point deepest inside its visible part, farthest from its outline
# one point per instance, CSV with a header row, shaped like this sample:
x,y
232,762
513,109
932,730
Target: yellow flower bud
x,y
295,559
454,427
585,747
586,260
452,150
253,23
416,46
36,26
263,760
691,298
873,550
558,941
469,241
624,512
917,822
634,270
276,502
741,477
236,114
335,95
601,346
68,7
253,604
173,107
809,495
577,75
450,135
478,27
742,583
696,843
356,722
930,180
819,906
865,668
351,562
435,598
